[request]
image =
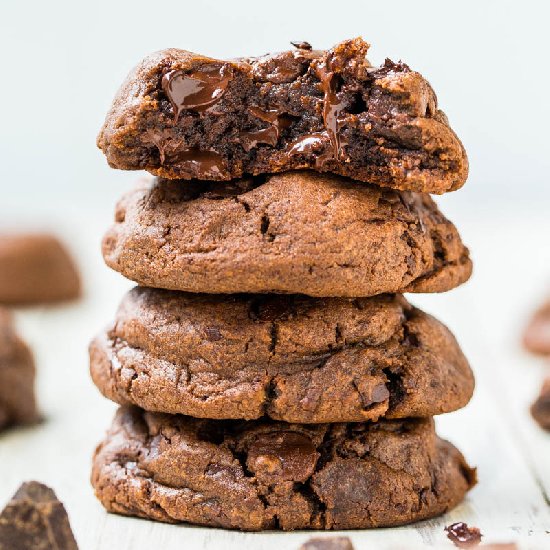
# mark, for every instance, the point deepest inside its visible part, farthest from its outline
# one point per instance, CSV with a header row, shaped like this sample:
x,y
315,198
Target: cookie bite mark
x,y
330,111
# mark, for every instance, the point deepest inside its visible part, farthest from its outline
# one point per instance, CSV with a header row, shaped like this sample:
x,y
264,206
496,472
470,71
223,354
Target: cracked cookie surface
x,y
298,232
271,475
17,372
182,115
291,358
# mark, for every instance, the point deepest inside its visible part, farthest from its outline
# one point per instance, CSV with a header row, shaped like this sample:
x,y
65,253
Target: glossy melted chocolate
x,y
204,87
197,91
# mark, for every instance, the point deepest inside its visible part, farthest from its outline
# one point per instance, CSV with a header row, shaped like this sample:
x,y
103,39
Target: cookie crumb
x,y
463,536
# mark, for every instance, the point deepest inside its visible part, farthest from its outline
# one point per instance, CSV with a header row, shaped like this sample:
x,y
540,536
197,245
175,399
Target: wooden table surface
x,y
495,431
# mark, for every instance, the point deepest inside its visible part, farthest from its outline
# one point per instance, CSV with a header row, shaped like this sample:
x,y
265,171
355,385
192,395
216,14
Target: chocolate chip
x,y
213,334
302,45
463,536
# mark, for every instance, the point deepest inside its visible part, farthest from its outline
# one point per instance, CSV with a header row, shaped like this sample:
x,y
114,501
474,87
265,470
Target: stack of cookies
x,y
269,371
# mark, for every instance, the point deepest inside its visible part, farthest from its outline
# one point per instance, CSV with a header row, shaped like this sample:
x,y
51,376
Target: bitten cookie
x,y
36,269
270,475
183,115
291,358
17,403
299,232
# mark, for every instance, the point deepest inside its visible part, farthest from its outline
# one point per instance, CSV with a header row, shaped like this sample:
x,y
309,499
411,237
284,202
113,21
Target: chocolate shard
x,y
463,536
34,519
327,543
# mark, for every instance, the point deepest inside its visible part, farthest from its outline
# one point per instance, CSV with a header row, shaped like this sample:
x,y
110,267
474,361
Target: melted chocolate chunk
x,y
34,519
288,456
328,144
540,409
204,164
463,536
270,135
327,543
196,91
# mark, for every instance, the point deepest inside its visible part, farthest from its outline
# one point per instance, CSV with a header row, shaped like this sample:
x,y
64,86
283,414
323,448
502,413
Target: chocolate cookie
x,y
291,358
36,269
17,403
540,409
182,115
536,337
270,475
299,232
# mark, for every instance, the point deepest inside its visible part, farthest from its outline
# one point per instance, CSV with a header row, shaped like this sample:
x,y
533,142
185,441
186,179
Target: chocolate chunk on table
x,y
34,519
463,536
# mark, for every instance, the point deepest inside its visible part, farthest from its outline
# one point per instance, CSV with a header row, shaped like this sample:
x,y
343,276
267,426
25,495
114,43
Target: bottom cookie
x,y
256,475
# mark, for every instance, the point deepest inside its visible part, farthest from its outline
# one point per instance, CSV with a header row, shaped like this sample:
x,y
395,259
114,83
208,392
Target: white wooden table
x,y
495,431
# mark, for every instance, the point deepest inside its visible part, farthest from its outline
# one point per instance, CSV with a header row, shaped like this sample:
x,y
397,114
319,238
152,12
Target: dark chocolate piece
x,y
302,45
34,519
325,110
463,536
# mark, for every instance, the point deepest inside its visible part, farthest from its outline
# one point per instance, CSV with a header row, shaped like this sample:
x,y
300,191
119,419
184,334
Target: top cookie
x,y
180,115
